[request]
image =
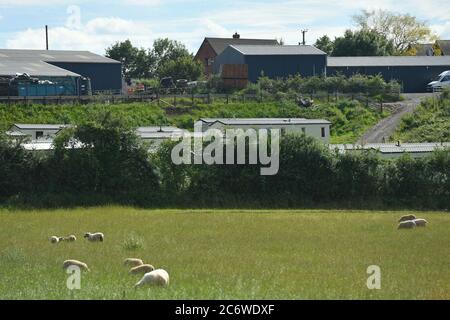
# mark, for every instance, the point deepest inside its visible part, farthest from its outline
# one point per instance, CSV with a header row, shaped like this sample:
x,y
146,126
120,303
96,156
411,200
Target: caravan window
x,y
39,134
323,132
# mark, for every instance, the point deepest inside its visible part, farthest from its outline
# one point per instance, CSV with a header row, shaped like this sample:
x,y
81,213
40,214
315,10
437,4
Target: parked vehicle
x,y
442,81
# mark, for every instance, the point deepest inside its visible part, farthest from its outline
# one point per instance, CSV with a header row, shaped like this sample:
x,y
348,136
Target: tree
x,y
325,44
362,43
136,63
404,30
181,68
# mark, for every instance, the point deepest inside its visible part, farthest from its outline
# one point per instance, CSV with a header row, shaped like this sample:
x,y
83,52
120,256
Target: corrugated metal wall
x,y
282,66
104,76
412,78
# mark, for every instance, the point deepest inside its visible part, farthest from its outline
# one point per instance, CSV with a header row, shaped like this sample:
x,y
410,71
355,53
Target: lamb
x,y
420,222
81,265
133,262
144,268
406,224
72,238
407,218
54,239
158,277
98,236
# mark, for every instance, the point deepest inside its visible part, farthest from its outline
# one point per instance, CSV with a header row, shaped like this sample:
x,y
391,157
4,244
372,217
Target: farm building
x,y
317,128
413,72
212,47
274,61
68,69
393,150
36,132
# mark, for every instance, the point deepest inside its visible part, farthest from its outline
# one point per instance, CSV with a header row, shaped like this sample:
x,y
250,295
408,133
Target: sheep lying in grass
x,y
420,222
98,236
157,277
54,239
144,268
407,218
133,262
406,224
70,238
81,265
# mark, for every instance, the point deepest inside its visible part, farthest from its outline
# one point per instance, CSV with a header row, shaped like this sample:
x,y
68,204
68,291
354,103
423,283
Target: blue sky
x,y
94,25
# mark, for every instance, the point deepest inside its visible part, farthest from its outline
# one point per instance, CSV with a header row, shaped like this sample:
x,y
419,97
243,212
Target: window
x,y
39,134
323,132
446,78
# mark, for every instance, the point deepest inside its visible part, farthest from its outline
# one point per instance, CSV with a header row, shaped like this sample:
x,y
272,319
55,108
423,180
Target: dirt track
x,y
388,125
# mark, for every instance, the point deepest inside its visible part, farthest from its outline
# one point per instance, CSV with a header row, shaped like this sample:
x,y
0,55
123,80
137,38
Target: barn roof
x,y
278,50
9,67
53,56
387,61
220,44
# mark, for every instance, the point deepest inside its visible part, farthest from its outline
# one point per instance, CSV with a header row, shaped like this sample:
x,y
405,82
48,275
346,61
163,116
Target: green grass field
x,y
221,254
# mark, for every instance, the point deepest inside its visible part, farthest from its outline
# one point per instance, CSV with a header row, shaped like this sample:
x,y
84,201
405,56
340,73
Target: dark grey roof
x,y
445,46
424,49
264,121
54,56
9,67
388,61
278,50
220,44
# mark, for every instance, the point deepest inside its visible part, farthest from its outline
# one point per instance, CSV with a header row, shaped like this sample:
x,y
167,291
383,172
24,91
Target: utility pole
x,y
304,31
46,37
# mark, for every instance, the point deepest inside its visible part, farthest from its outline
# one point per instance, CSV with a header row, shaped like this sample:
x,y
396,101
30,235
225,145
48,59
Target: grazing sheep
x,y
407,217
157,277
420,222
133,262
144,268
72,238
406,224
98,236
77,263
54,239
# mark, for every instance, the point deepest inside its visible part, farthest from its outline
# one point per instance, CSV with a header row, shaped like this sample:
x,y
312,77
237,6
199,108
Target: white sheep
x,y
72,238
158,277
144,268
406,224
77,263
407,218
133,262
98,236
420,222
54,239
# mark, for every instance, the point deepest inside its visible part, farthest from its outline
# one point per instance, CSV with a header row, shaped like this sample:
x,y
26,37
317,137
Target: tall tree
x,y
325,44
362,43
404,30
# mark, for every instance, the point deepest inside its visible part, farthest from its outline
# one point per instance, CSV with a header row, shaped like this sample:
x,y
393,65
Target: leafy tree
x,y
404,30
362,43
136,63
325,44
181,68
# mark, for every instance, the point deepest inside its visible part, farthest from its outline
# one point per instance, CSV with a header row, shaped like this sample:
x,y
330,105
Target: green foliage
x,y
325,44
181,68
362,43
429,123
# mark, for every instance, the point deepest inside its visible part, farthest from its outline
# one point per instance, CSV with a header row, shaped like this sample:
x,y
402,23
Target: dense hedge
x,y
113,166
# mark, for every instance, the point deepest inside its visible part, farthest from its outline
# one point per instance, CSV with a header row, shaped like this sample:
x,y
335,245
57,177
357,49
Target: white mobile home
x,y
393,150
36,132
157,134
317,128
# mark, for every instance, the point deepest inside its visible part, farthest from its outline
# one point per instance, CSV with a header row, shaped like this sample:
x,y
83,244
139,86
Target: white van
x,y
442,81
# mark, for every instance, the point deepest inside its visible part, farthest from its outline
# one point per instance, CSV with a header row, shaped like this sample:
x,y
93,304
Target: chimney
x,y
46,37
236,36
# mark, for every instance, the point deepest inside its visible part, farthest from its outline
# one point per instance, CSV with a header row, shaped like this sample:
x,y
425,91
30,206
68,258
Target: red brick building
x,y
212,47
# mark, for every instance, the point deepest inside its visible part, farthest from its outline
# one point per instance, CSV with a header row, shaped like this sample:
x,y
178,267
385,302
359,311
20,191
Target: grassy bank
x,y
222,254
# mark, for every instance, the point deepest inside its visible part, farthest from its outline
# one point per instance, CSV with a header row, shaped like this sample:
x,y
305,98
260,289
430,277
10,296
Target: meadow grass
x,y
226,254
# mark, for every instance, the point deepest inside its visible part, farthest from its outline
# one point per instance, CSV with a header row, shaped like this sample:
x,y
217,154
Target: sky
x,y
94,25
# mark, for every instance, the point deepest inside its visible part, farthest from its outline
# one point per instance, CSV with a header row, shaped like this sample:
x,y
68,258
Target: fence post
x,y
381,105
227,98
